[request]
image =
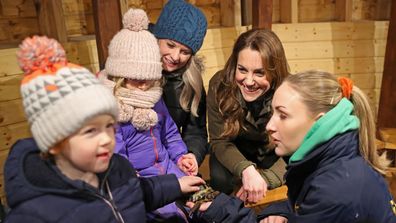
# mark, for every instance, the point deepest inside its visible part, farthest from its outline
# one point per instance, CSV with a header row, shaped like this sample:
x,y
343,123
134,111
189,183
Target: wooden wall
x,y
354,49
19,18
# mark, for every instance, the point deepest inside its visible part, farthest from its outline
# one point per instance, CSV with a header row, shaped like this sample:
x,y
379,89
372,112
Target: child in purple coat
x,y
146,135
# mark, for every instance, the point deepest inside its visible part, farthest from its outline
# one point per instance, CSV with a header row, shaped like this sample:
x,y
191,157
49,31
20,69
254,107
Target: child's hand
x,y
188,164
190,184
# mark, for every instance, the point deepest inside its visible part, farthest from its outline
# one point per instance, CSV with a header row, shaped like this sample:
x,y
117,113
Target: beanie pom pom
x,y
135,20
39,52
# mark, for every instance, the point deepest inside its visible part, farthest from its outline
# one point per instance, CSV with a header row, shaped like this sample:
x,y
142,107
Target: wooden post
x,y
108,20
51,20
387,102
262,14
344,10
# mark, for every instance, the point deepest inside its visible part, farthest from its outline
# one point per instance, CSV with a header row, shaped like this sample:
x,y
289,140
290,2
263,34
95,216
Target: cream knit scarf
x,y
136,105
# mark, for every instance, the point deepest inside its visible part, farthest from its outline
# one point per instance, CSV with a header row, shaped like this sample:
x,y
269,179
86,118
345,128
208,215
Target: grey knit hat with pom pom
x,y
134,51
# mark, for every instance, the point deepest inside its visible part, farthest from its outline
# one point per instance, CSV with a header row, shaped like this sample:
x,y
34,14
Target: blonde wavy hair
x,y
193,85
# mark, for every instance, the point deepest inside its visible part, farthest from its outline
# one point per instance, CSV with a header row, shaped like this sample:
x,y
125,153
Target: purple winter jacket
x,y
155,151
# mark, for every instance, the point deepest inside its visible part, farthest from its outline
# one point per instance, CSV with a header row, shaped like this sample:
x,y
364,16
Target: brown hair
x,y
275,64
321,91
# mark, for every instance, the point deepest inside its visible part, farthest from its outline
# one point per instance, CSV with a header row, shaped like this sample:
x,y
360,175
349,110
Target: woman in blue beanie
x,y
180,30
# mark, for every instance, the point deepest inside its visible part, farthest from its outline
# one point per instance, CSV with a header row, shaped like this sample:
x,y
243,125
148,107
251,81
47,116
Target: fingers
x,y
274,219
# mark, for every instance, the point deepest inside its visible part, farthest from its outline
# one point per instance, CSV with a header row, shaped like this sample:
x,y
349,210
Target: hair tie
x,y
346,86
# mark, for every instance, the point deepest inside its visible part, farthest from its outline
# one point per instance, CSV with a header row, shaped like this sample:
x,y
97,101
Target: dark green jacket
x,y
251,146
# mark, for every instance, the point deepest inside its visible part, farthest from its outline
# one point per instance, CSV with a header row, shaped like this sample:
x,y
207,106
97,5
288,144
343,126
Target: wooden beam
x,y
387,102
51,20
108,20
246,11
262,14
288,11
344,10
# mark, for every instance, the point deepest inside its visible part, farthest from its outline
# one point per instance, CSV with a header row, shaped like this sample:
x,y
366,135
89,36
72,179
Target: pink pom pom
x,y
39,52
135,20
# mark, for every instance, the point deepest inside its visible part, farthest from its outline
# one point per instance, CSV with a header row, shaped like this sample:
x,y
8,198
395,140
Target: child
x,y
77,178
146,135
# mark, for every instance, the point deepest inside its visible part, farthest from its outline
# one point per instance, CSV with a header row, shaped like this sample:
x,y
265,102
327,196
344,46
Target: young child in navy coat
x,y
69,173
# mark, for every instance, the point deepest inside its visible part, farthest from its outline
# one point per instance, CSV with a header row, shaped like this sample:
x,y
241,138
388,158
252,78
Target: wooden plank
x,y
9,87
80,24
107,19
14,30
51,20
17,8
11,133
331,31
288,11
11,112
82,52
212,15
334,49
215,57
316,11
8,63
72,7
339,65
227,13
262,14
222,37
387,103
343,10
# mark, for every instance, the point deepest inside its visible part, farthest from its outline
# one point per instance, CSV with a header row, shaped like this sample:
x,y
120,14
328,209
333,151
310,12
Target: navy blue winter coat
x,y
335,184
37,192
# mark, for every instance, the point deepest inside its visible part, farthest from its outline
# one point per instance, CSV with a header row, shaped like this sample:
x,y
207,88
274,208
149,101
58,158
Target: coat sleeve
x,y
17,218
170,135
160,190
194,132
223,148
317,206
225,208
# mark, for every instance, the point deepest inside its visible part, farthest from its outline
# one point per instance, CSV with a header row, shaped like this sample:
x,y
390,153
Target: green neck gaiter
x,y
336,121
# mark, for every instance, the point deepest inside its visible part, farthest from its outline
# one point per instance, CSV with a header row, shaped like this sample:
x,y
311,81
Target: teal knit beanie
x,y
182,22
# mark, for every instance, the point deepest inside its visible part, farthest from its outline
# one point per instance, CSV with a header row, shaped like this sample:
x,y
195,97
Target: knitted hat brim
x,y
62,120
137,70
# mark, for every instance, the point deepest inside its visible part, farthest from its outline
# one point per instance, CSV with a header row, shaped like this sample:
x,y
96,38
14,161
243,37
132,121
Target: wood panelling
x,y
9,134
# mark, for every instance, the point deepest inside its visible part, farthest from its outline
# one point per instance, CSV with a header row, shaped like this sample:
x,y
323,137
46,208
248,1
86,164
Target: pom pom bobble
x,y
39,52
135,20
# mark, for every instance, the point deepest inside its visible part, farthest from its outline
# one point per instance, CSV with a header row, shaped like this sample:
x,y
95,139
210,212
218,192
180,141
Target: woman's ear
x,y
318,116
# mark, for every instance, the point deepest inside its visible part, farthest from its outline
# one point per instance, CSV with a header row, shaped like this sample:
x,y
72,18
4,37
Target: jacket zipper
x,y
111,204
161,169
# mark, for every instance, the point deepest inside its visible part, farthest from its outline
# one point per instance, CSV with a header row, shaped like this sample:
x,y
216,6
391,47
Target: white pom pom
x,y
135,20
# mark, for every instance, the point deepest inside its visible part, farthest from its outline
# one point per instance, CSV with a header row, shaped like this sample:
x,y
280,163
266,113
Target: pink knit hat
x,y
134,51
